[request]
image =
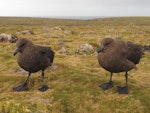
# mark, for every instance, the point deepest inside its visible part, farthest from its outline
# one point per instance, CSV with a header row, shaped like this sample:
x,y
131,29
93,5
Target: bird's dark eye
x,y
22,45
106,44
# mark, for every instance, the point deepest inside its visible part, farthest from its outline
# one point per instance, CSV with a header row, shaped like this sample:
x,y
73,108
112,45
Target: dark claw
x,y
22,87
44,88
106,86
123,90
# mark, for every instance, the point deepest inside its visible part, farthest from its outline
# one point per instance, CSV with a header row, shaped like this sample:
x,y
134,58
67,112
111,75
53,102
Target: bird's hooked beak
x,y
16,51
100,49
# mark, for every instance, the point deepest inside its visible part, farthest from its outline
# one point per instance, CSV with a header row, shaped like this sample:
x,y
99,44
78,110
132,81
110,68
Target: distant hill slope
x,y
71,22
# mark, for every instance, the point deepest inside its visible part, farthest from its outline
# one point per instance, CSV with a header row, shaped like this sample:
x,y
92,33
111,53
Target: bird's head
x,y
21,44
104,43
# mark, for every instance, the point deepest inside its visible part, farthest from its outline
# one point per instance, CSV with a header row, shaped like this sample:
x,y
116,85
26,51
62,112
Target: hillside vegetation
x,y
74,78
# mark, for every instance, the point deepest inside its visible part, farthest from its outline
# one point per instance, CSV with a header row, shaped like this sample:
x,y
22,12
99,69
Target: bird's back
x,y
46,52
46,56
134,52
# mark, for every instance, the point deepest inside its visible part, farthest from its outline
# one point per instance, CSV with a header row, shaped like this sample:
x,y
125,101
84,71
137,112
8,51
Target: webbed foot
x,y
123,90
22,87
44,88
106,86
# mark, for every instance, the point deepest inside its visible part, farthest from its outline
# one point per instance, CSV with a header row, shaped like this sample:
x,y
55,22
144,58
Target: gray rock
x,y
52,35
26,32
146,48
60,42
8,38
54,67
85,48
63,50
45,30
57,28
67,32
87,33
140,32
22,72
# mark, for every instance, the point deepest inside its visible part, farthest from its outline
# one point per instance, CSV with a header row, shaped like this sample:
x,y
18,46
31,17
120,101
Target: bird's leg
x,y
22,87
44,87
124,90
108,85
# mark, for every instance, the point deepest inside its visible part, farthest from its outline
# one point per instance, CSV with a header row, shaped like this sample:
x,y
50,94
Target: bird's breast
x,y
110,62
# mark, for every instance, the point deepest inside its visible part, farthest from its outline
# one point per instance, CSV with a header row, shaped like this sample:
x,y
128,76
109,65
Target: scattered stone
x,y
117,37
56,36
146,48
63,50
8,38
60,42
140,32
45,30
85,48
53,35
41,100
26,32
22,72
17,33
54,67
88,33
57,28
68,32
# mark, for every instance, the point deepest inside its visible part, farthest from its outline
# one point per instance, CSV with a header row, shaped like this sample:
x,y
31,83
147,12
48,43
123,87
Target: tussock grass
x,y
74,83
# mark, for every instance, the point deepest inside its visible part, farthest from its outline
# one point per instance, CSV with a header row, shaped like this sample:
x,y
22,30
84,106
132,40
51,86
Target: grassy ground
x,y
74,83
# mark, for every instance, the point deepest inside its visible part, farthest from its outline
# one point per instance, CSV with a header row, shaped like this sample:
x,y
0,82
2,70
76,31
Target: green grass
x,y
74,85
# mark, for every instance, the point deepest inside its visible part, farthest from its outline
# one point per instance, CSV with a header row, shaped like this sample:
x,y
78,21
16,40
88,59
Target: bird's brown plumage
x,y
33,58
119,56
